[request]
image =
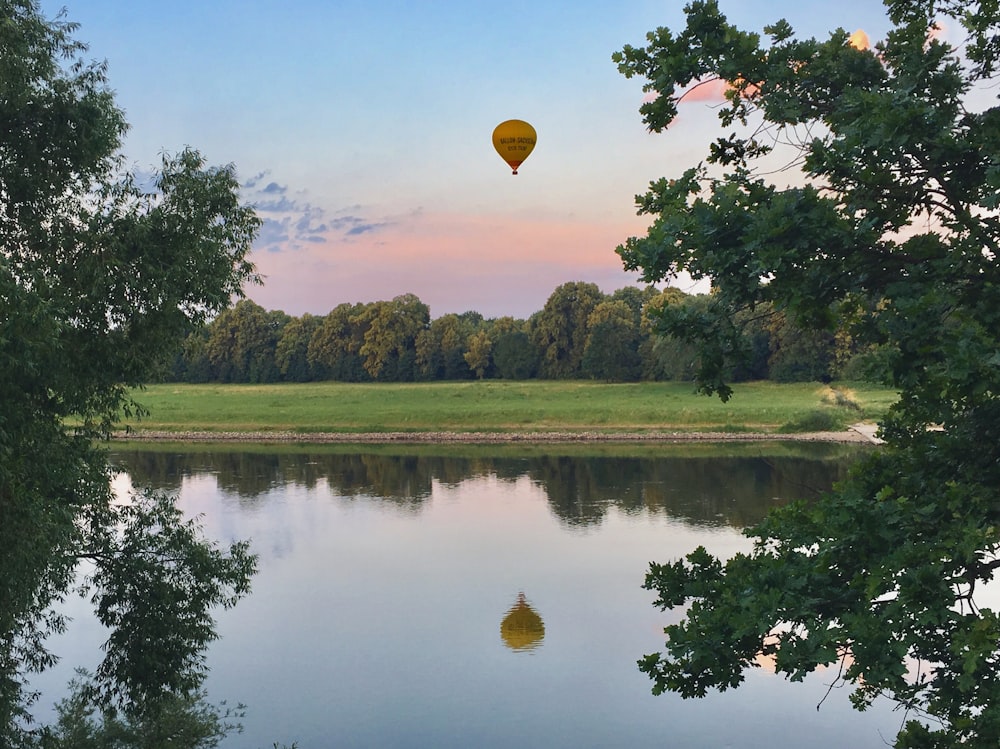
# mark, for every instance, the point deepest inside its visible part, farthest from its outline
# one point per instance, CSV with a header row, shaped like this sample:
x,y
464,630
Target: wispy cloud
x,y
353,226
365,228
291,222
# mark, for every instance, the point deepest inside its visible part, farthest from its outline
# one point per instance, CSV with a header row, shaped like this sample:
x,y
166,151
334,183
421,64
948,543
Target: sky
x,y
361,131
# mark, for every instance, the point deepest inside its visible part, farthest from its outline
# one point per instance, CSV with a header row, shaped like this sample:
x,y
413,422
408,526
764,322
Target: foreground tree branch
x,y
890,227
99,278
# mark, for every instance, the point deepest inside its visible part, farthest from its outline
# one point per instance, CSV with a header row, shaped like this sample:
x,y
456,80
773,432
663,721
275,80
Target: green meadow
x,y
505,406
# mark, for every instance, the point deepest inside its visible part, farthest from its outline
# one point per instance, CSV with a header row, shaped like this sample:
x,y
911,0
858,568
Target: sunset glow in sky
x,y
361,130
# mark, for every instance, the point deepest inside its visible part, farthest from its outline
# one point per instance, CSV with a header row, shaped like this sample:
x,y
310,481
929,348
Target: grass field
x,y
503,406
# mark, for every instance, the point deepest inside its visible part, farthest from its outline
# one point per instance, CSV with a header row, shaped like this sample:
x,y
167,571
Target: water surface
x,y
381,613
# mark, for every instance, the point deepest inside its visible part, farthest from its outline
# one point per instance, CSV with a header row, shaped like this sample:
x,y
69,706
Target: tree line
x,y
580,333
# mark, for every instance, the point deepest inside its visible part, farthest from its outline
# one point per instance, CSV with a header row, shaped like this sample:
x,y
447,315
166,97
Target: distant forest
x,y
581,333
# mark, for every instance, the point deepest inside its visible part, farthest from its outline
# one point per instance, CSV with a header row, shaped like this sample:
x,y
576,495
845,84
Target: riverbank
x,y
856,433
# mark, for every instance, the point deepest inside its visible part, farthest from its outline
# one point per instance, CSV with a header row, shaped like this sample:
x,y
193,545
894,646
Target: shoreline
x,y
857,433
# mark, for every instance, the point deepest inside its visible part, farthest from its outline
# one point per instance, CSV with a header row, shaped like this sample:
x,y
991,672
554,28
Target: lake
x,y
483,596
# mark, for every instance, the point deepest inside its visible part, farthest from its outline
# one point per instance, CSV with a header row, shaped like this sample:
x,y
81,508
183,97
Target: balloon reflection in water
x,y
522,629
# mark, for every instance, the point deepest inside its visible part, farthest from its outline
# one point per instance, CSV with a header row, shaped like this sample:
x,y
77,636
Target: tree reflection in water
x,y
731,485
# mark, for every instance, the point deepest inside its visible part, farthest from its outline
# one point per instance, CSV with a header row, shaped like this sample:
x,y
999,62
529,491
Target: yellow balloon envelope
x,y
514,140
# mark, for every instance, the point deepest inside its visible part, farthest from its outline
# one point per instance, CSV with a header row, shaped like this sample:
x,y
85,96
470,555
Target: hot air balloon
x,y
514,141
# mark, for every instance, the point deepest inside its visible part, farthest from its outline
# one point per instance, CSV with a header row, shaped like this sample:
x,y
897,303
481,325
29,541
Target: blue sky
x,y
362,132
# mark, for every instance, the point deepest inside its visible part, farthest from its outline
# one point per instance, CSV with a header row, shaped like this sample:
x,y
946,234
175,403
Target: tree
x,y
612,349
514,355
636,299
799,355
478,353
391,330
242,342
560,329
335,347
887,221
99,281
291,353
662,358
191,363
440,348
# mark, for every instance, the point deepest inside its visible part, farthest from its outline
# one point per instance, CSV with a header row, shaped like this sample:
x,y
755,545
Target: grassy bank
x,y
503,406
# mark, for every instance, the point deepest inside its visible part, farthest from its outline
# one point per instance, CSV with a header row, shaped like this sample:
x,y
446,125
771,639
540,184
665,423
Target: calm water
x,y
412,599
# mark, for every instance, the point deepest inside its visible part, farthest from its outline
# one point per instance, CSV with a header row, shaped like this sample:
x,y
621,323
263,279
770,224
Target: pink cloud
x,y
713,90
491,264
